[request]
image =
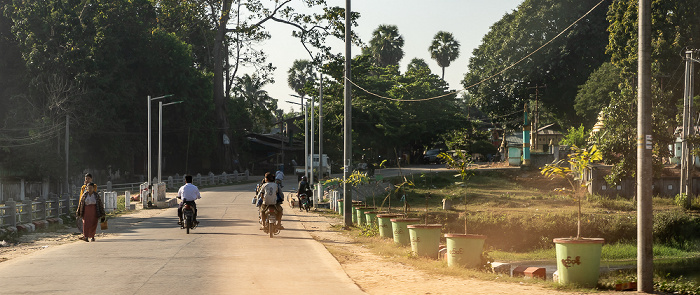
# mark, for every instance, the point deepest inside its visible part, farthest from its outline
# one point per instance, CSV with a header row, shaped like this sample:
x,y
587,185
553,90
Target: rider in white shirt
x,y
188,193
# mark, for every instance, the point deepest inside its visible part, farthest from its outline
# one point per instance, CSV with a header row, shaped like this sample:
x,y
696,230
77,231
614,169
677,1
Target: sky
x,y
417,20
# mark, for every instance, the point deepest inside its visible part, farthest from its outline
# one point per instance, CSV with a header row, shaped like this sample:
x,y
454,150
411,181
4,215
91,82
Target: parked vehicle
x,y
431,156
188,218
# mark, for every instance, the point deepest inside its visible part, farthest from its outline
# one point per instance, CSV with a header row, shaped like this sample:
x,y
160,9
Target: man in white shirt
x,y
188,193
279,176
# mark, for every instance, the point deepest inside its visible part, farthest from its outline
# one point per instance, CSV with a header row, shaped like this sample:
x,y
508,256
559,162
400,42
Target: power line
x,y
487,78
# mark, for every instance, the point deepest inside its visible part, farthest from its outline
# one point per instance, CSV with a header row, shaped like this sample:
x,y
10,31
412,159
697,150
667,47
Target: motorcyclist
x,y
279,176
188,193
270,195
304,188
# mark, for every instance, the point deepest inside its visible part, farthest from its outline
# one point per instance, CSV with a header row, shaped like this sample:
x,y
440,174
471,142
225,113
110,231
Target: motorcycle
x,y
303,202
270,222
188,218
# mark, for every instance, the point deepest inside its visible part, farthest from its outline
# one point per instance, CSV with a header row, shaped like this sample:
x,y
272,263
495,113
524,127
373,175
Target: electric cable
x,y
487,78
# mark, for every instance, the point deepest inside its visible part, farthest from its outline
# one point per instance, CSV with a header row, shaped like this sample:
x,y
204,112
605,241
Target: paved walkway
x,y
227,254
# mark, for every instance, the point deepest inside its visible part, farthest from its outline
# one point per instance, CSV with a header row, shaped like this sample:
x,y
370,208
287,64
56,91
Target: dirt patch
x,y
36,241
375,274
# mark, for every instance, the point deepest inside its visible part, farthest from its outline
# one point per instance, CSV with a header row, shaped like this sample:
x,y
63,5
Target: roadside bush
x,y
677,229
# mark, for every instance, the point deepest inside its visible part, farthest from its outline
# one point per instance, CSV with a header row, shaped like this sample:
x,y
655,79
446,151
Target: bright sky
x,y
417,20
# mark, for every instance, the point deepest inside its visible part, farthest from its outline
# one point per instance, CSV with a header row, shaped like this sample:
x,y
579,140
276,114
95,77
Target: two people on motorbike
x,y
305,189
270,195
188,193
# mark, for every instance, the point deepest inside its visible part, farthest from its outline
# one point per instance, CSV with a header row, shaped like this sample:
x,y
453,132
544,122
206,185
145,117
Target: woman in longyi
x,y
90,208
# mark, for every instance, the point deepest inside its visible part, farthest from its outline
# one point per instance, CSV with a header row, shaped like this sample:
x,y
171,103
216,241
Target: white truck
x,y
300,170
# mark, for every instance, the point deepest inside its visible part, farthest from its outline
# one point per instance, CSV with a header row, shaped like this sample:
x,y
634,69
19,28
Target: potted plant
x,y
578,259
463,249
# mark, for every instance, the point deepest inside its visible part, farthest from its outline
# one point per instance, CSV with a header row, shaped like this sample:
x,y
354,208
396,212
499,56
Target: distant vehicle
x,y
431,156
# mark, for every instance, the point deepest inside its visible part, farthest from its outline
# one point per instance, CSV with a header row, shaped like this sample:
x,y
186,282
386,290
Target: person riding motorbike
x,y
270,195
304,188
188,193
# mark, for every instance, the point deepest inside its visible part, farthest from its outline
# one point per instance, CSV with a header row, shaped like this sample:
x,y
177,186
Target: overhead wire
x,y
487,78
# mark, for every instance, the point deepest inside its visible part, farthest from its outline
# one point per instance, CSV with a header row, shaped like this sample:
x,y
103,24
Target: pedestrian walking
x,y
90,209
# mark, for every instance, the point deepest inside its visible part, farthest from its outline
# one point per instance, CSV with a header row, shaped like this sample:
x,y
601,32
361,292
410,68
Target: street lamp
x,y
306,136
148,102
160,137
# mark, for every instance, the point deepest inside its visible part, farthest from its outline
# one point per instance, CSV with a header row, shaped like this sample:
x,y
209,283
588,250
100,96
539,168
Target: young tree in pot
x,y
578,259
463,249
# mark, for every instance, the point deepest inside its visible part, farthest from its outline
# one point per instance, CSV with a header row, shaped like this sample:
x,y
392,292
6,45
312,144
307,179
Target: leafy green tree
x,y
444,50
561,66
418,65
300,76
595,94
386,45
675,27
260,106
575,137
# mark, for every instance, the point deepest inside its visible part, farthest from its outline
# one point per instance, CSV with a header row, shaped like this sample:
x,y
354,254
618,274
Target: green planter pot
x,y
371,216
425,239
354,212
464,250
398,226
361,214
340,207
384,222
578,261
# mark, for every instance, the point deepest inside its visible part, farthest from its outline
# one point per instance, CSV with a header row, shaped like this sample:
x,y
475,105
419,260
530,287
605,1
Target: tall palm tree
x,y
386,45
444,50
301,73
261,107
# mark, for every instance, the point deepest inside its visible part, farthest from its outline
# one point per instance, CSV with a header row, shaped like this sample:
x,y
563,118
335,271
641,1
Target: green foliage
x,y
575,137
386,45
680,286
483,147
681,200
579,161
677,229
562,65
444,49
368,230
381,126
595,94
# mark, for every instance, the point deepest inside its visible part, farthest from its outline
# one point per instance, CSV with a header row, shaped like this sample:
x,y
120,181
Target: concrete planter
x,y
354,212
371,216
361,214
464,250
425,239
578,260
399,227
340,206
384,222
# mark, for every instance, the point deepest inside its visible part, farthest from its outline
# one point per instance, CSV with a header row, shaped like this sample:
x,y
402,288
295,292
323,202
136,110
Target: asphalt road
x,y
226,254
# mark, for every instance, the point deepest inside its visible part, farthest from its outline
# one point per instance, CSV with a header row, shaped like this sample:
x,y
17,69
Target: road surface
x,y
226,254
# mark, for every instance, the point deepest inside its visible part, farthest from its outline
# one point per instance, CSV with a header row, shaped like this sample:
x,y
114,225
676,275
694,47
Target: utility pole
x,y
311,121
320,130
688,129
305,109
319,195
67,146
347,120
527,126
535,122
645,254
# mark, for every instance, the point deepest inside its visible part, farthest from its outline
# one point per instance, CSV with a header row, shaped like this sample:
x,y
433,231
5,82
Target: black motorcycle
x,y
188,218
270,221
304,203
